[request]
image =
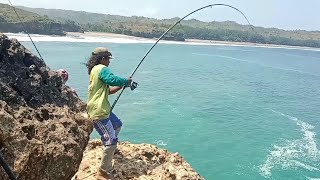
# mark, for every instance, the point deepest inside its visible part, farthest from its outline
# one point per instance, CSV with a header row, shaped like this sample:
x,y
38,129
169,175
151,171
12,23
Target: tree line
x,y
80,21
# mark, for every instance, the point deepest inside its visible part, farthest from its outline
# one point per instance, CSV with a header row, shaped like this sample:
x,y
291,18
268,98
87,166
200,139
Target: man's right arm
x,y
112,80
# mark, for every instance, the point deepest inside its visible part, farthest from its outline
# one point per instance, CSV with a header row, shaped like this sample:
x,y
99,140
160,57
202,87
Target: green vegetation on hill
x,y
34,23
189,29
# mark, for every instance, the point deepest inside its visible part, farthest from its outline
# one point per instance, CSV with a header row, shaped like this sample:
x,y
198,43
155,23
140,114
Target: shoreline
x,y
189,41
104,37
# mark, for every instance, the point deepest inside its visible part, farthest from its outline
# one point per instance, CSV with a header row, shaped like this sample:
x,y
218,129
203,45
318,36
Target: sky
x,y
283,14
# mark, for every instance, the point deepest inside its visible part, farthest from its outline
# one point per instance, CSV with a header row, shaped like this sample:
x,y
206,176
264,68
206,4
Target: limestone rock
x,y
137,162
43,127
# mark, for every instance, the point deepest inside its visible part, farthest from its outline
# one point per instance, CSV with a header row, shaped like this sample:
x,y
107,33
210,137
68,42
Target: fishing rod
x,y
204,7
7,168
24,28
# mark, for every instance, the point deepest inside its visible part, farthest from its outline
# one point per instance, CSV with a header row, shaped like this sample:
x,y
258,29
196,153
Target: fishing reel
x,y
133,85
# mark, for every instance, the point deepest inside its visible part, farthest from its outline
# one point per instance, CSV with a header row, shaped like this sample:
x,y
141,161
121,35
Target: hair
x,y
95,59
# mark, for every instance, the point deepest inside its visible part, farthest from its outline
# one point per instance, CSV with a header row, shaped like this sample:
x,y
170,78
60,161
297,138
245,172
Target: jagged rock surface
x,y
137,162
43,127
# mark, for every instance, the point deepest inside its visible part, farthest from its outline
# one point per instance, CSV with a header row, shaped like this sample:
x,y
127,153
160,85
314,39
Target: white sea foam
x,y
91,39
294,153
309,178
161,143
141,103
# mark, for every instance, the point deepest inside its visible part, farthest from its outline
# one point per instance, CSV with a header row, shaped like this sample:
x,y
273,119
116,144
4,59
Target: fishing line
x,y
204,7
3,162
24,28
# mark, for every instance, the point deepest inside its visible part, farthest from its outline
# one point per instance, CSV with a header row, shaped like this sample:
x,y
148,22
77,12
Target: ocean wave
x,y
298,153
161,143
309,178
141,103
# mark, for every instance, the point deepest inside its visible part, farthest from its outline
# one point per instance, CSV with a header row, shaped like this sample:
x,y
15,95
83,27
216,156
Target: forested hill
x,y
189,29
34,23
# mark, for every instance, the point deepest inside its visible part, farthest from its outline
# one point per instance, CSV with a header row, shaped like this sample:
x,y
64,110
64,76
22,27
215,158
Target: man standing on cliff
x,y
103,83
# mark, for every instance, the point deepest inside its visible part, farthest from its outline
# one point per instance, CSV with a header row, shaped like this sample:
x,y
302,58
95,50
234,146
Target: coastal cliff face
x,y
43,129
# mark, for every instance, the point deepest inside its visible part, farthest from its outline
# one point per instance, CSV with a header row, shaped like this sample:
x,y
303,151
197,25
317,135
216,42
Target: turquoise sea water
x,y
232,112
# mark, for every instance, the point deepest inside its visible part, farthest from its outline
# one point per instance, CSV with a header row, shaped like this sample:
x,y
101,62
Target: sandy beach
x,y
188,41
102,37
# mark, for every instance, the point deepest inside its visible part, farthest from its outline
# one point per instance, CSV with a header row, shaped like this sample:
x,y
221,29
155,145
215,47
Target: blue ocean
x,y
233,112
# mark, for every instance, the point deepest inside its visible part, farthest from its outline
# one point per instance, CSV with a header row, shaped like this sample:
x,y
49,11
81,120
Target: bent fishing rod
x,y
160,38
